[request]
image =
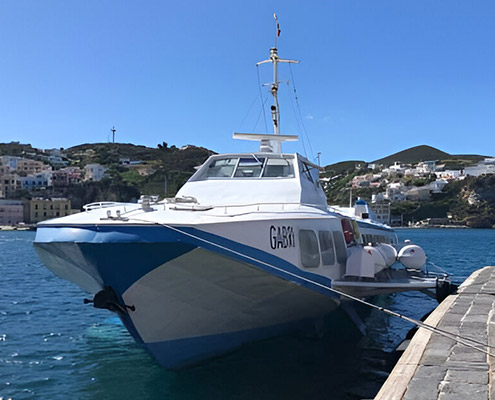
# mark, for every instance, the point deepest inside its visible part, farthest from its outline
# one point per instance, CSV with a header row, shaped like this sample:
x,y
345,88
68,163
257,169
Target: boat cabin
x,y
235,179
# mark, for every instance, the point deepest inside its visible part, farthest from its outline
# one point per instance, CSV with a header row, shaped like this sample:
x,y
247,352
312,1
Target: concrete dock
x,y
436,367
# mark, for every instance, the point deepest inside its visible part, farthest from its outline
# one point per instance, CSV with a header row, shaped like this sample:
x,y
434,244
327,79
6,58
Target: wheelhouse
x,y
256,178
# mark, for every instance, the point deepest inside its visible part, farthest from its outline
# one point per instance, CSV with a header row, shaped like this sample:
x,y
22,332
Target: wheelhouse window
x,y
221,168
310,253
249,167
246,167
310,173
278,168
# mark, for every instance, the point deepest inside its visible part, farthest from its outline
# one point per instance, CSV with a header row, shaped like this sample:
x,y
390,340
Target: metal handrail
x,y
101,204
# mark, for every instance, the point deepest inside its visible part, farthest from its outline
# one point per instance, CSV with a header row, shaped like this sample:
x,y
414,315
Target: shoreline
x,y
7,228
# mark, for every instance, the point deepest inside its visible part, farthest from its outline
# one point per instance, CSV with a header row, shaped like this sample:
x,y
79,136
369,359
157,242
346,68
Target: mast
x,y
272,142
274,59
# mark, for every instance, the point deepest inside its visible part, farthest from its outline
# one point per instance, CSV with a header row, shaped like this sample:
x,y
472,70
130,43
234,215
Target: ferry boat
x,y
247,249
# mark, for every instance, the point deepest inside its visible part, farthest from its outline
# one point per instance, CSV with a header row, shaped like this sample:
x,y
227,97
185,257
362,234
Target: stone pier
x,y
437,367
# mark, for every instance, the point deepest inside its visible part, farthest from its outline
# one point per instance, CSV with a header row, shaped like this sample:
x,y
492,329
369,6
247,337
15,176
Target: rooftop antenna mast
x,y
272,142
274,59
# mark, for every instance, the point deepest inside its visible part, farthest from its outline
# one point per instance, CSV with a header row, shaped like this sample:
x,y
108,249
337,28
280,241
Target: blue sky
x,y
376,76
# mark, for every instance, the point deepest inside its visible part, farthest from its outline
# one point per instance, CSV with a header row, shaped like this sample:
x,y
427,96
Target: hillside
x,y
131,170
343,167
467,200
426,153
414,155
106,152
17,149
159,171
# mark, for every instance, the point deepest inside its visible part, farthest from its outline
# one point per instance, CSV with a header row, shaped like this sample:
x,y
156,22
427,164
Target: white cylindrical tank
x,y
388,252
379,260
360,263
412,256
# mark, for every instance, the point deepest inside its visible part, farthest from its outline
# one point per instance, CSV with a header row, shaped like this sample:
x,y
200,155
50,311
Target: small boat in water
x,y
248,249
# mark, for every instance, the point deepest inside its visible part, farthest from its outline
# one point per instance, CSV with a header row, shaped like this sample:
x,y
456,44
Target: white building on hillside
x,y
36,181
487,166
94,172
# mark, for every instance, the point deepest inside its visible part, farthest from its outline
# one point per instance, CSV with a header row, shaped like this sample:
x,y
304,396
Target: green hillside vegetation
x,y
343,167
416,154
453,201
166,170
17,149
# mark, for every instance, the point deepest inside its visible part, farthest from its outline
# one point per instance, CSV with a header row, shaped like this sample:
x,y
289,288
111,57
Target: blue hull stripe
x,y
181,353
127,265
122,264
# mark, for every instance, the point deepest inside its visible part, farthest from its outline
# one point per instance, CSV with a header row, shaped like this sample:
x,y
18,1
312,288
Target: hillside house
x,y
36,181
486,166
94,172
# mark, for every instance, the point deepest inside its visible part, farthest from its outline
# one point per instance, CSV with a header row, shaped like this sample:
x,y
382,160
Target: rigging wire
x,y
299,110
261,98
248,111
464,340
298,125
260,113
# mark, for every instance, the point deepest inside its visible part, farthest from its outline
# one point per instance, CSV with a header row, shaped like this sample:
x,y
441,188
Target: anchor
x,y
108,300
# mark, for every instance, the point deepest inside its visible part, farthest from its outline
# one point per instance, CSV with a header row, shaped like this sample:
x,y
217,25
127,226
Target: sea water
x,y
52,346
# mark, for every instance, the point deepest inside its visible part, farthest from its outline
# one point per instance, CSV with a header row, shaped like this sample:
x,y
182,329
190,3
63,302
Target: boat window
x,y
310,254
326,246
340,247
249,167
310,172
278,168
221,168
348,230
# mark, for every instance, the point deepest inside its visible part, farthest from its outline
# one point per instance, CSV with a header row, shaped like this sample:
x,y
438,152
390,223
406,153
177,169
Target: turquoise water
x,y
53,346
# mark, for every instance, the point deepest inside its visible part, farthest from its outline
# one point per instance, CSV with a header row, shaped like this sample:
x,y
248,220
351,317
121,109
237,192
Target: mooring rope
x,y
464,340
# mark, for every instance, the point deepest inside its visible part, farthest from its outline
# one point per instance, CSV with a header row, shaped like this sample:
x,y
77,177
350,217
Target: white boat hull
x,y
190,302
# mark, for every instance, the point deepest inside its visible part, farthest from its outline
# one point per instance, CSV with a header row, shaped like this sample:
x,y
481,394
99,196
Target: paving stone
x,y
480,311
452,326
437,372
434,359
468,357
483,301
462,391
467,376
462,365
449,318
479,318
440,348
440,342
473,327
422,389
463,301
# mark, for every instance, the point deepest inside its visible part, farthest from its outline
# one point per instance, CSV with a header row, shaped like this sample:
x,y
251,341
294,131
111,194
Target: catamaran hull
x,y
191,301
